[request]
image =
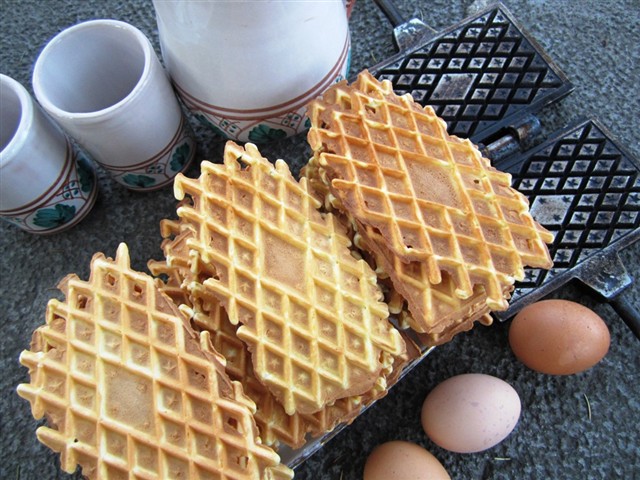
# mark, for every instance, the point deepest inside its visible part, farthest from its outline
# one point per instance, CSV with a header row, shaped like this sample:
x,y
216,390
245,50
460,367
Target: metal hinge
x,y
516,138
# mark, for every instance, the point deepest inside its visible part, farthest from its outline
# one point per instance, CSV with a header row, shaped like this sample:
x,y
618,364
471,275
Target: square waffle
x,y
309,312
131,391
274,424
429,309
433,311
432,197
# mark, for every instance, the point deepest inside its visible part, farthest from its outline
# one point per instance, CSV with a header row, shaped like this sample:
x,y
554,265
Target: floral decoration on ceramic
x,y
271,123
160,170
65,204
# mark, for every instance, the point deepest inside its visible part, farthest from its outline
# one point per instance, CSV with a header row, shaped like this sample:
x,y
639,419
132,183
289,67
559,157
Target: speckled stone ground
x,y
597,44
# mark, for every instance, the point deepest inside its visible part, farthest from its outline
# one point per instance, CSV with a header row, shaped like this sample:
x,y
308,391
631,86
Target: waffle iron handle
x,y
407,34
609,277
627,312
390,11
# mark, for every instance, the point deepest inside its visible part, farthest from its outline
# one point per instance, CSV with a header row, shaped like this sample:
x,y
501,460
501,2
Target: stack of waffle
x,y
443,228
269,317
130,390
300,321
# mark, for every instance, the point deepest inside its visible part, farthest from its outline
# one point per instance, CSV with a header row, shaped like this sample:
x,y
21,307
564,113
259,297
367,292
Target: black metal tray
x,y
481,75
585,188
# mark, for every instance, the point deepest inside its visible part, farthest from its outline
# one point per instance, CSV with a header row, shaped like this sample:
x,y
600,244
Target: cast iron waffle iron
x,y
482,76
585,189
487,79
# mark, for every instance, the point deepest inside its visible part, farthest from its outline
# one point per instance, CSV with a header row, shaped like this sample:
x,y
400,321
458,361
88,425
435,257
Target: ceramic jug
x,y
247,69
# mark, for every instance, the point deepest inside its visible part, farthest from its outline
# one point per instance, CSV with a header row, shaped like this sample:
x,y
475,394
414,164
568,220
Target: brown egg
x,y
558,337
399,460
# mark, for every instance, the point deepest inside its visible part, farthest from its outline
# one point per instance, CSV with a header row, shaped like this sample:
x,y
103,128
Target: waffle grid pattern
x,y
477,76
432,308
129,391
586,191
313,317
387,158
275,425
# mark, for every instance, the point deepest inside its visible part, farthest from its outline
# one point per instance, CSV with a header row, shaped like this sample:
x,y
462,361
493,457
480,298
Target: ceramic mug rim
x,y
142,42
9,152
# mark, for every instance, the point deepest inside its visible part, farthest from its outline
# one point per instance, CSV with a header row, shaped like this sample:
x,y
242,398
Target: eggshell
x,y
558,337
398,460
470,413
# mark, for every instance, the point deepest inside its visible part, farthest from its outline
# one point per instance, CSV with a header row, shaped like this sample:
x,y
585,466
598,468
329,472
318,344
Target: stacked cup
x,y
102,85
46,184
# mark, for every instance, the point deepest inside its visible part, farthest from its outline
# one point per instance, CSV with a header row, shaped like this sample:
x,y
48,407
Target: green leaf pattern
x,y
54,217
138,181
207,123
264,133
180,157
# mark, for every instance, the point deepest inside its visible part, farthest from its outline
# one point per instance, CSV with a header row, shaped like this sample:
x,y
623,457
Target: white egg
x,y
470,413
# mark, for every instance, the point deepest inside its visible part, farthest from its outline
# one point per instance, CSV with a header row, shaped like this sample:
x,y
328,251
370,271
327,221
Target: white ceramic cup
x,y
46,185
249,68
103,83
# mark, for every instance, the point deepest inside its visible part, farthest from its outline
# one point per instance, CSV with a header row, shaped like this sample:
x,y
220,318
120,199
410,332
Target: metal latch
x,y
519,137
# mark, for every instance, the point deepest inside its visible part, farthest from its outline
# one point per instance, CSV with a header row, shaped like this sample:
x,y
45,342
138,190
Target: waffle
x,y
275,425
434,199
131,391
432,310
171,275
309,312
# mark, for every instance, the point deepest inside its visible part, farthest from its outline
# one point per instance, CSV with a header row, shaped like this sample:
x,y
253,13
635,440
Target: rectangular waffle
x,y
430,309
309,312
443,225
275,425
131,391
433,311
432,197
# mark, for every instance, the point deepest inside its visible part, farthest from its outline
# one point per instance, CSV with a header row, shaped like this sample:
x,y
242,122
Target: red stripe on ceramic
x,y
47,194
274,110
155,158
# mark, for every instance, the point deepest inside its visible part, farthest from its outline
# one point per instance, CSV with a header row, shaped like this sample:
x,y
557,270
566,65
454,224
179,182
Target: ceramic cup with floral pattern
x,y
102,82
46,184
248,69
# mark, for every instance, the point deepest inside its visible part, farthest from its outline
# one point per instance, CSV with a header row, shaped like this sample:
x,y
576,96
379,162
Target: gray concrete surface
x,y
596,43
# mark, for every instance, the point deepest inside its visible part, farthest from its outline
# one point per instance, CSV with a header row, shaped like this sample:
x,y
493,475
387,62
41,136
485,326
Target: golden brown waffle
x,y
433,197
433,309
171,275
310,313
175,269
274,424
131,391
